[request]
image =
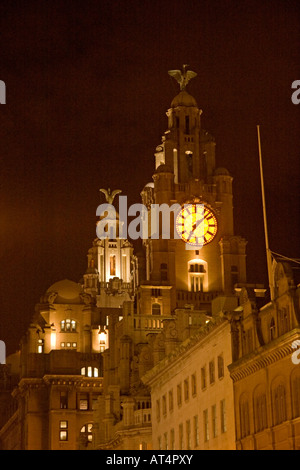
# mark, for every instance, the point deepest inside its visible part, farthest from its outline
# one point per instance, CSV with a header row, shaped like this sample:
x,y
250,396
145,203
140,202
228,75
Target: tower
x,y
181,270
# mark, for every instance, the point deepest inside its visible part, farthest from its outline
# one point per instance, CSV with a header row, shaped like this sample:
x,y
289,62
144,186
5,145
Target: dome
x,y
222,171
68,292
184,99
163,168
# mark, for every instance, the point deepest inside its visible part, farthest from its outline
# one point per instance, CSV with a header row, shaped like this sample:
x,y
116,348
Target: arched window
x,y
197,276
296,394
90,371
283,321
279,404
260,412
244,418
68,325
156,309
86,435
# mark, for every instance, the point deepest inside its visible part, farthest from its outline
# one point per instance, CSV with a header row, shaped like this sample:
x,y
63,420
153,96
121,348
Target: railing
x,y
149,322
142,416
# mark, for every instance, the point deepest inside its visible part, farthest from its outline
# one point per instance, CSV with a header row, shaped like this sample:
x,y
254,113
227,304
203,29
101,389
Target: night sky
x,y
87,92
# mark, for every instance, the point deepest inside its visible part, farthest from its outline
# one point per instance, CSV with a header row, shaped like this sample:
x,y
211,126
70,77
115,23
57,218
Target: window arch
x,y
156,309
244,417
197,276
260,409
279,403
68,325
86,435
295,385
90,371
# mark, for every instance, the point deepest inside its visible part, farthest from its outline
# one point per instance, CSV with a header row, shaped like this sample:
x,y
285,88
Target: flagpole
x,y
268,252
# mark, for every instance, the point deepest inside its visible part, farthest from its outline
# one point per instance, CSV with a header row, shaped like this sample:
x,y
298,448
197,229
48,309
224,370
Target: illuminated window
x,y
197,276
84,402
86,434
40,346
112,265
63,430
68,345
68,325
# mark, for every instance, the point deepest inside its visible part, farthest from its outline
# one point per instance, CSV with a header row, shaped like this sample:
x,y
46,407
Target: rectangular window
x,y
166,446
164,405
188,434
212,372
196,431
205,424
203,377
220,367
179,395
194,385
171,400
112,265
158,410
84,402
180,436
172,439
214,420
223,416
186,389
63,430
64,400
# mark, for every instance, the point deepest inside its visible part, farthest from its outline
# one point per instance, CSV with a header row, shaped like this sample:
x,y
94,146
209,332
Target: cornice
x,y
264,356
163,369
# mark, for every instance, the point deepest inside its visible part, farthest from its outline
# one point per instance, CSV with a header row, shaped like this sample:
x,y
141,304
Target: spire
x,y
182,77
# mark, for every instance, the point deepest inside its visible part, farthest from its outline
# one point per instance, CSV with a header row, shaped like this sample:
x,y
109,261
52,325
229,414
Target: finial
x,y
109,196
182,77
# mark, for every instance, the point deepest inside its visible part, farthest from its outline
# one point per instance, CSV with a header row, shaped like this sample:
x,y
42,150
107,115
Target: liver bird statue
x,y
110,196
182,77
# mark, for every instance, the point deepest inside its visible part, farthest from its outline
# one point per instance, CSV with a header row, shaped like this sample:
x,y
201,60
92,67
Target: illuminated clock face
x,y
196,224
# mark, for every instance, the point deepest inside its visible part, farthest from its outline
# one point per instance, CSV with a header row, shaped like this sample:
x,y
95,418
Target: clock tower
x,y
180,272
